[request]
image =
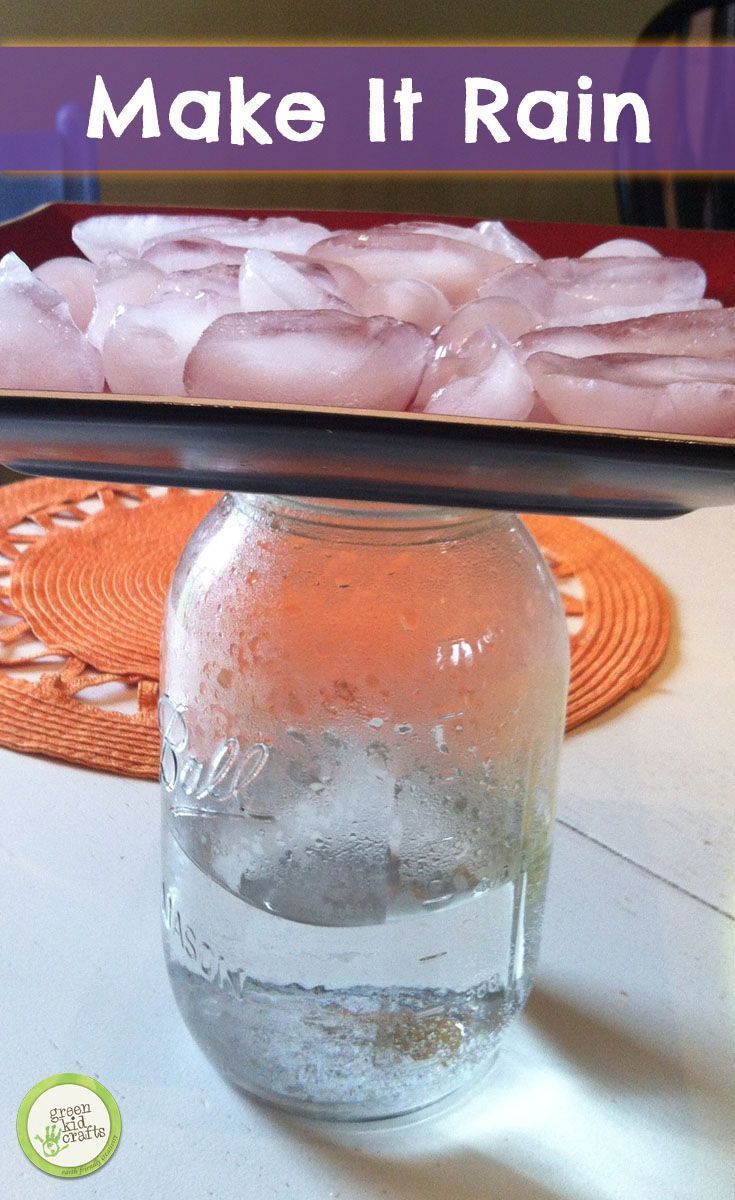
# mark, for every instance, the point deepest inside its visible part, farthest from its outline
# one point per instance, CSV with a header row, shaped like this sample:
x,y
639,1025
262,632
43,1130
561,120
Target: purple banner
x,y
367,108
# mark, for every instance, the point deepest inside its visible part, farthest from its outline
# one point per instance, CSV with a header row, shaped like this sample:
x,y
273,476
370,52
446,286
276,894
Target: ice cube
x,y
540,413
146,348
14,270
706,333
381,255
346,281
218,280
275,281
72,278
504,314
227,240
282,235
568,291
488,235
119,282
41,348
131,234
315,358
500,240
622,248
639,391
462,233
481,377
128,233
192,253
407,300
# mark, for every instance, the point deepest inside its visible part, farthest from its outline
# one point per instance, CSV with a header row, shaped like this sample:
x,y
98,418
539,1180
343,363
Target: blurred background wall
x,y
553,198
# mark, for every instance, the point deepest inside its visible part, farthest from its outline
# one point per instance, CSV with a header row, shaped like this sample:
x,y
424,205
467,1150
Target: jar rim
x,y
368,515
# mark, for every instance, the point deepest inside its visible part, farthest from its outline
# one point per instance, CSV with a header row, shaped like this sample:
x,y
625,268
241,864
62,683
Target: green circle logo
x,y
68,1125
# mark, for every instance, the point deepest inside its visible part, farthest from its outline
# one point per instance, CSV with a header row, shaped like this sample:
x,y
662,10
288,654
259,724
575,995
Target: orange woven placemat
x,y
84,570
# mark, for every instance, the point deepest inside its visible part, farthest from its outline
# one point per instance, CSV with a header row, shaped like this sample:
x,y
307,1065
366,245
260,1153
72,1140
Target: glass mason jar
x,y
361,712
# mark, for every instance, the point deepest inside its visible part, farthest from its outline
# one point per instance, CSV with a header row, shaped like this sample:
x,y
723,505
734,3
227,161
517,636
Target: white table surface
x,y
617,1083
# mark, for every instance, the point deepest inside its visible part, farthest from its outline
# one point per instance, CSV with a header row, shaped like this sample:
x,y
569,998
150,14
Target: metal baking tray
x,y
384,456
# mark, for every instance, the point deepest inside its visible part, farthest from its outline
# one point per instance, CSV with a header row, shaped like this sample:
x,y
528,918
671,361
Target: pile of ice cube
x,y
418,316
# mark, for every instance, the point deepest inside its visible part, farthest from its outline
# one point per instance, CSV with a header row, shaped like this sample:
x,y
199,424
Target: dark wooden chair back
x,y
691,202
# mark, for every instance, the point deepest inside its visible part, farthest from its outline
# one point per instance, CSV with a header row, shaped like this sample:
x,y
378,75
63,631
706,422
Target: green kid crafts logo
x,y
68,1125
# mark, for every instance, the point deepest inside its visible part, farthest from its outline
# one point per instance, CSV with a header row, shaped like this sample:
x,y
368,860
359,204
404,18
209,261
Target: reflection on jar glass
x,y
361,712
